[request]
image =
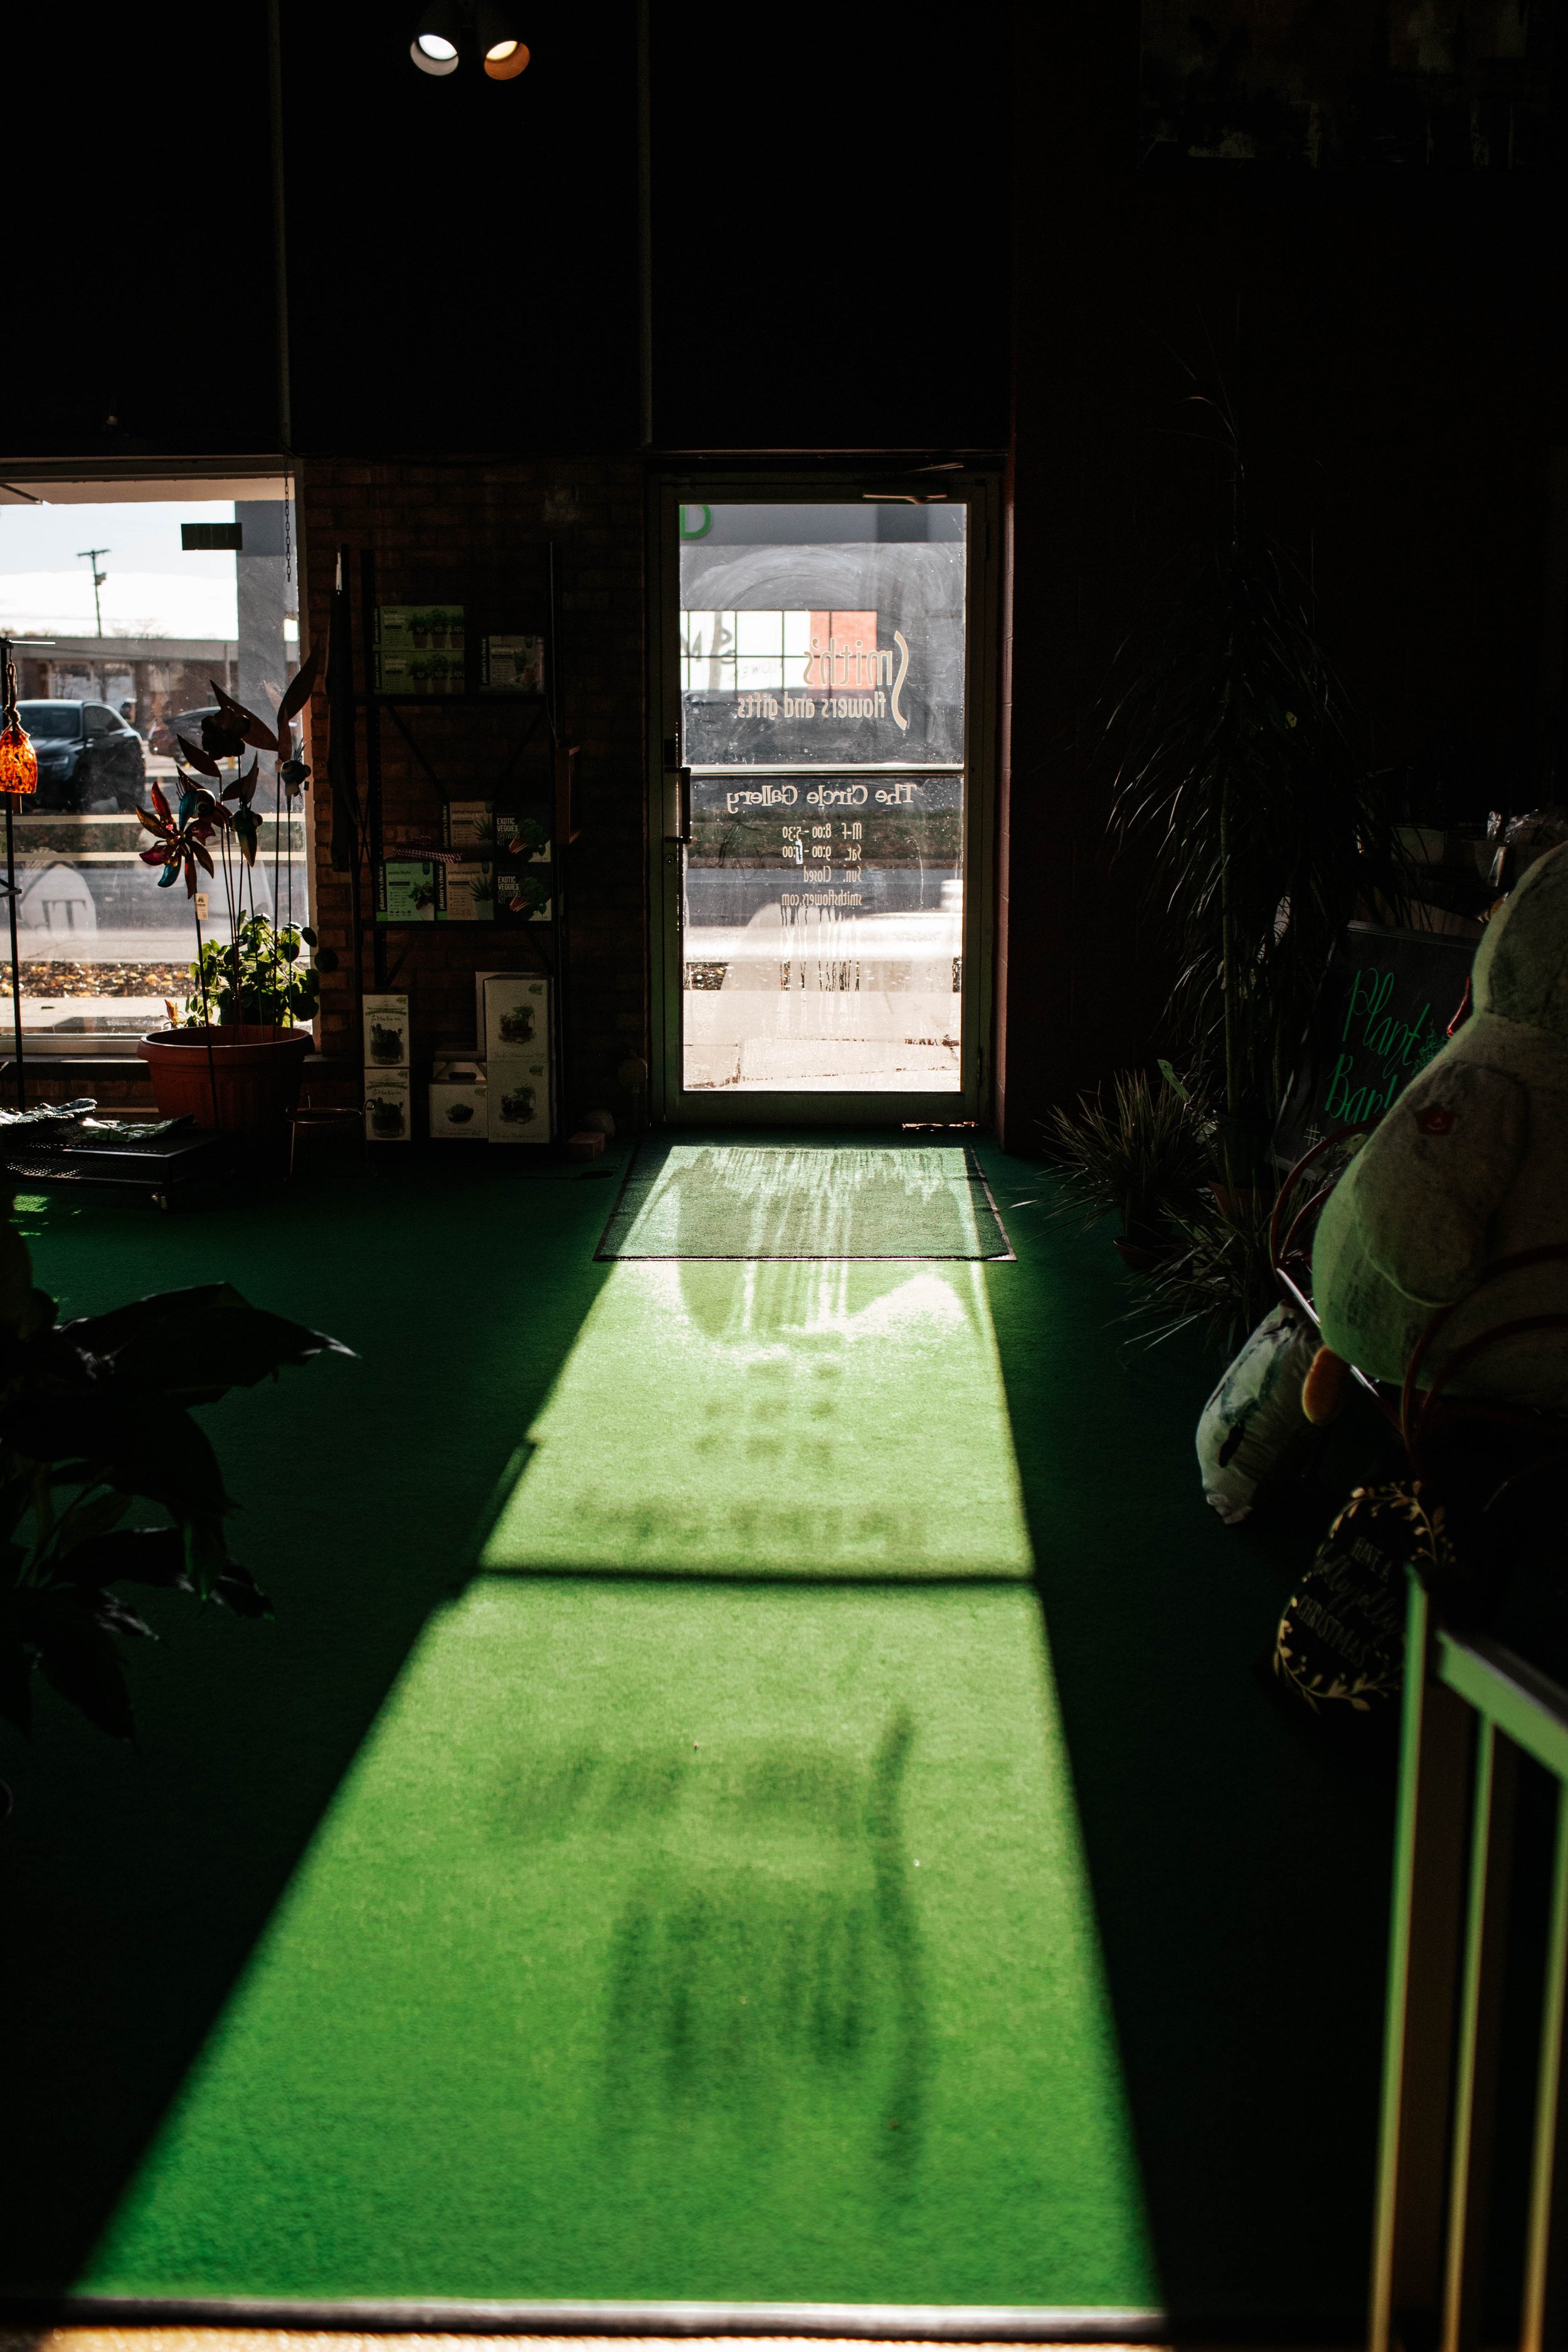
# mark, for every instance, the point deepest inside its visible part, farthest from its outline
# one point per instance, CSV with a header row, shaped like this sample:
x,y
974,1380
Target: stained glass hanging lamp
x,y
18,761
18,779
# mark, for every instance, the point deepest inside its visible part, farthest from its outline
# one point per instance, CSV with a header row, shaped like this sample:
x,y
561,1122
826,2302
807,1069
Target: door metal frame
x,y
670,1103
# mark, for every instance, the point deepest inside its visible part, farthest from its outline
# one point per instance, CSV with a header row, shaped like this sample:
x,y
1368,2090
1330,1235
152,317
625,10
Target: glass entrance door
x,y
824,747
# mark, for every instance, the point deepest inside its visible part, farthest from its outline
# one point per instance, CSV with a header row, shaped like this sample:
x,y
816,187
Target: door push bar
x,y
678,805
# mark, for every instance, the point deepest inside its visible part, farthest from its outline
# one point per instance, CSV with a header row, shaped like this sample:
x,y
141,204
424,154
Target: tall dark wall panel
x,y
831,227
138,222
462,252
1390,342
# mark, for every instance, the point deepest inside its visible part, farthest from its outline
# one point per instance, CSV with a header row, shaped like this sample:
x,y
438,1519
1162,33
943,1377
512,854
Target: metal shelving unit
x,y
352,704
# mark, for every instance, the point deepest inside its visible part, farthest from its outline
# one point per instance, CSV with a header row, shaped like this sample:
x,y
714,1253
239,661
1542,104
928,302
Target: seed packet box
x,y
420,650
489,829
528,842
406,891
524,897
388,1096
512,665
511,1014
467,824
418,629
517,1089
386,1032
467,891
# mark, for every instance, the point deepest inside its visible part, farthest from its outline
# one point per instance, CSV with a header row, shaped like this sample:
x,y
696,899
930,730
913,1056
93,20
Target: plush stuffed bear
x,y
1470,1163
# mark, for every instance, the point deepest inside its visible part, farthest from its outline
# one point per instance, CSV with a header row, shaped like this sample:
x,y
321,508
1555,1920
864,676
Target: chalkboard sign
x,y
1382,1012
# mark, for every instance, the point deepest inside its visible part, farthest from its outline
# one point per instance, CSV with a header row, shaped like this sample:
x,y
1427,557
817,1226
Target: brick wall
x,y
480,534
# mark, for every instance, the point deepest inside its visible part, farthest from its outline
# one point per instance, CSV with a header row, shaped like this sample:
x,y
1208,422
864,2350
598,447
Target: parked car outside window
x,y
165,737
90,761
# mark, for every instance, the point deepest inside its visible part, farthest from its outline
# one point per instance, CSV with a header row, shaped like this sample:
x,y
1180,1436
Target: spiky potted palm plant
x,y
1236,775
1143,1155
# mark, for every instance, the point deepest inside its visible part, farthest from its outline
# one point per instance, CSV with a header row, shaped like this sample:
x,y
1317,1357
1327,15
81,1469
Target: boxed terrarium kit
x,y
420,649
511,1013
388,1096
511,1021
517,1092
387,1033
459,1095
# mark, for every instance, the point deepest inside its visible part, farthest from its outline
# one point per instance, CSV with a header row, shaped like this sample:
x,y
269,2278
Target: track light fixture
x,y
452,32
502,54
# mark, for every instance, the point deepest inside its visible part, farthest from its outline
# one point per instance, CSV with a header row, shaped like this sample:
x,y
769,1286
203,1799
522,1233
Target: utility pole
x,y
91,555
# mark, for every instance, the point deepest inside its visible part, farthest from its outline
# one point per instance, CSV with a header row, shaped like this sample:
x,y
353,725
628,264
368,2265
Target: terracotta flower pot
x,y
248,1087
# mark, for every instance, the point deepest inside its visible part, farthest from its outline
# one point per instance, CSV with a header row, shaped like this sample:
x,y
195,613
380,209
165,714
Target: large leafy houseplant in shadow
x,y
1236,775
95,1425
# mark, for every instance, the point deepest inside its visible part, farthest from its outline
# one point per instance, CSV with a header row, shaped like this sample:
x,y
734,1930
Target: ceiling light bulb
x,y
506,61
501,54
438,44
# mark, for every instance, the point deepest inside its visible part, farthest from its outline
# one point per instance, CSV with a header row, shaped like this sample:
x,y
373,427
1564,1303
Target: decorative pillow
x,y
1253,1425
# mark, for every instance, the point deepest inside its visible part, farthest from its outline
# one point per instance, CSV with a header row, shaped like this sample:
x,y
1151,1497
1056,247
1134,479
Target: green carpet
x,y
674,1943
415,1948
889,1200
782,1419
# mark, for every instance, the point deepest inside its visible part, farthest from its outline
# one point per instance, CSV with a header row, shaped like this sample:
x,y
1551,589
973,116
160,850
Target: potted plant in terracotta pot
x,y
241,1072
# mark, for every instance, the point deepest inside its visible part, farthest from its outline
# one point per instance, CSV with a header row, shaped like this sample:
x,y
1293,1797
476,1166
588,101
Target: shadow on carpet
x,y
1240,1869
147,1876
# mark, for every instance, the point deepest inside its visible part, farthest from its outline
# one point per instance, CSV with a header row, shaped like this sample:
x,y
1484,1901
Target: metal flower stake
x,y
228,736
181,847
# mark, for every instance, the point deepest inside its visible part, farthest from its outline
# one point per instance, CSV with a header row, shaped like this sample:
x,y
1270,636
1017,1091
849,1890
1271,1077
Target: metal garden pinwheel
x,y
182,840
225,734
182,847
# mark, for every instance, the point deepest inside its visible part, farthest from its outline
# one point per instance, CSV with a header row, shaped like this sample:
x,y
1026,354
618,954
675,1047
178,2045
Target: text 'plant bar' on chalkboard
x,y
1382,1012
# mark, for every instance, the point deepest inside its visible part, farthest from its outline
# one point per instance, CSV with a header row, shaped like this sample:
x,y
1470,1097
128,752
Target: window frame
x,y
670,1101
148,481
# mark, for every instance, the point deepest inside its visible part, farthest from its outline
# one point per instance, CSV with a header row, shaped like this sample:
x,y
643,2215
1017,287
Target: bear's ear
x,y
1521,968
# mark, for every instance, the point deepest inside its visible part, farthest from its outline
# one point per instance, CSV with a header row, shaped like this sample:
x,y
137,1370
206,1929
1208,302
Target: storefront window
x,y
128,604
